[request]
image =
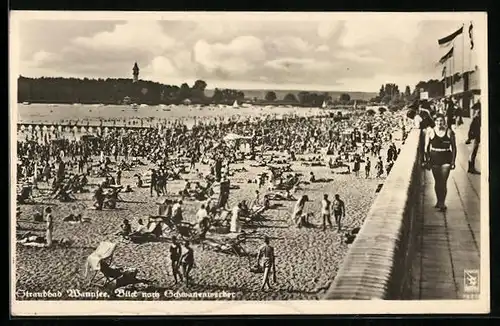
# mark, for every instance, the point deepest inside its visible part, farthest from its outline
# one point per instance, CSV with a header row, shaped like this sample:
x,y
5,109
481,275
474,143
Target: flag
x,y
445,41
446,56
470,37
444,72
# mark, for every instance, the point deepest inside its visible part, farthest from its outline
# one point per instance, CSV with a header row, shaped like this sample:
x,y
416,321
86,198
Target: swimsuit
x,y
440,151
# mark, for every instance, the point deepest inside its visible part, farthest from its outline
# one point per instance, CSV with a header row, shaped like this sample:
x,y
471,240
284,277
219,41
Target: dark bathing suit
x,y
440,151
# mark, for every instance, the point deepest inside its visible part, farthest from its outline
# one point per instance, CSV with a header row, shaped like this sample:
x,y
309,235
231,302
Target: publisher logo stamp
x,y
471,284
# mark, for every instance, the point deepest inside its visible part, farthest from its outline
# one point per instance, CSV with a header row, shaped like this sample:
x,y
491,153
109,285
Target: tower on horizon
x,y
135,72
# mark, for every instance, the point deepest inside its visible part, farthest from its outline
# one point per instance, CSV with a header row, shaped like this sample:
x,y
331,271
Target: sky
x,y
336,54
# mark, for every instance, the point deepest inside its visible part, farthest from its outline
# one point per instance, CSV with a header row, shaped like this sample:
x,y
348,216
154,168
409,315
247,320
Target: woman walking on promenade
x,y
440,155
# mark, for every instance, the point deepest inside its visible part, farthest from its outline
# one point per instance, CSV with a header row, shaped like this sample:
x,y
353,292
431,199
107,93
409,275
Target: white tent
x,y
231,136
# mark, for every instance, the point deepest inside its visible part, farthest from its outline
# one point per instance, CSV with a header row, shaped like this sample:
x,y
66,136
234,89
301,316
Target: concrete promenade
x,y
447,243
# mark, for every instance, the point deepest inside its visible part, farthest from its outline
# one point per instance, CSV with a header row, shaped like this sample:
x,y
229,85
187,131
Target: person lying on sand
x,y
126,229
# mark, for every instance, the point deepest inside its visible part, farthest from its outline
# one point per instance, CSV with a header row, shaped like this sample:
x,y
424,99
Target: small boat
x,y
26,103
166,109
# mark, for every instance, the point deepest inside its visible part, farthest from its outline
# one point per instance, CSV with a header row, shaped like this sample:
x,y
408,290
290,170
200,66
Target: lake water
x,y
150,114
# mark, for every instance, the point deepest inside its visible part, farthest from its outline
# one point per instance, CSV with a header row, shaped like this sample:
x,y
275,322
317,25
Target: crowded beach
x,y
260,206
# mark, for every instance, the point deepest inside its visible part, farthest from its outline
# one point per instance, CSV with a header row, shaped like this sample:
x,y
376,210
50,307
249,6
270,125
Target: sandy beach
x,y
307,258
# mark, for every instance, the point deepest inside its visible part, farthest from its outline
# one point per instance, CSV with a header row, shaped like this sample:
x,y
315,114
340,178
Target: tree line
x,y
118,91
312,99
125,91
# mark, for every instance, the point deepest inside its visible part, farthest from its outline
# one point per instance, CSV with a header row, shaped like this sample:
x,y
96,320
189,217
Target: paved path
x,y
448,243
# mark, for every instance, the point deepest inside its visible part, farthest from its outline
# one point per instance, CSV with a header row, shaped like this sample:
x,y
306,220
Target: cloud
x,y
322,48
358,53
131,35
234,58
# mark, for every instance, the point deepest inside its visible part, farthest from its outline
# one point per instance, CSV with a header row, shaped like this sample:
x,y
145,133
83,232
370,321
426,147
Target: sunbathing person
x,y
312,179
126,229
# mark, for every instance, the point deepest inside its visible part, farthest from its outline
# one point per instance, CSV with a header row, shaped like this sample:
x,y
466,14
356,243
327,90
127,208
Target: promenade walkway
x,y
448,243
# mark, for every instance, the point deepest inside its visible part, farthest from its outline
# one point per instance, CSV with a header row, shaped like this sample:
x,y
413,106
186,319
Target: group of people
x,y
436,119
170,147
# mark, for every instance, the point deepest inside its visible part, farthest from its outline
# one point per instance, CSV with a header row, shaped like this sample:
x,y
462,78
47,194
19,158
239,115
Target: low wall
x,y
378,264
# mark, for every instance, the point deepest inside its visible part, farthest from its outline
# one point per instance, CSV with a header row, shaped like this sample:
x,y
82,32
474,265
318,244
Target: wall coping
x,y
370,269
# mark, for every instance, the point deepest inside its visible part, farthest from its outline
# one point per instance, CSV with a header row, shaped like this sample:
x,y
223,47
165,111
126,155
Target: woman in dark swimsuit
x,y
187,261
440,152
175,256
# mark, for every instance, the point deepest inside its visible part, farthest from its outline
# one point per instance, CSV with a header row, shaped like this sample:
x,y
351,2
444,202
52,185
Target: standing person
x,y
50,226
357,165
450,113
367,168
338,211
187,261
266,259
379,167
298,211
218,169
235,226
177,212
175,256
325,211
440,153
154,181
119,176
475,135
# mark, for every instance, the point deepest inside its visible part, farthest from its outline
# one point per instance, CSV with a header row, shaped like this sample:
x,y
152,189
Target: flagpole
x,y
463,48
451,68
470,51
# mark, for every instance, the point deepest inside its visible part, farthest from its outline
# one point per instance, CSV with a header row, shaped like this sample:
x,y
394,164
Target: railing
x,y
378,264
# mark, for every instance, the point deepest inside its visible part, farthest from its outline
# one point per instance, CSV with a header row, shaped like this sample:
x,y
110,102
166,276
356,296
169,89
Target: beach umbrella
x,y
91,129
30,127
106,130
52,128
67,129
75,129
59,128
44,128
22,127
37,128
83,130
